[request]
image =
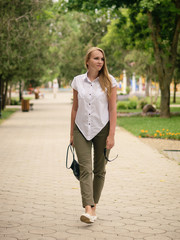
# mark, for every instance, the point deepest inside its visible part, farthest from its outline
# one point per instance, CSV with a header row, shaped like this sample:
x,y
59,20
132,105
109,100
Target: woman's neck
x,y
92,75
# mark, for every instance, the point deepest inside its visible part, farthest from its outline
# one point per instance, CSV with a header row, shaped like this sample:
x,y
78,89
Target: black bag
x,y
75,165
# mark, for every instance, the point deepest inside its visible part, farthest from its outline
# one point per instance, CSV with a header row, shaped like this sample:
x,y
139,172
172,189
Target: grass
x,y
159,99
152,124
177,100
174,109
7,113
147,99
130,110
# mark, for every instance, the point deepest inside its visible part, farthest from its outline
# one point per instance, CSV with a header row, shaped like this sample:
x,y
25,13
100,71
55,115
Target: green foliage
x,y
79,31
153,24
121,105
24,35
133,98
15,101
132,105
7,113
142,102
128,90
136,124
133,102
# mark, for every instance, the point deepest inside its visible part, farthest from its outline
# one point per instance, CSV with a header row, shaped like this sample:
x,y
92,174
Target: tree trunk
x,y
165,101
20,90
151,91
5,88
9,94
164,71
174,95
0,96
59,81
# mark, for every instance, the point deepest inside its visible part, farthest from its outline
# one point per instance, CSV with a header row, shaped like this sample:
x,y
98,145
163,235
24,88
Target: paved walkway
x,y
40,199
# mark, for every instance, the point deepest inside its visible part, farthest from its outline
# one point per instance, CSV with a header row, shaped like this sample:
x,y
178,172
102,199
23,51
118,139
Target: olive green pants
x,y
92,175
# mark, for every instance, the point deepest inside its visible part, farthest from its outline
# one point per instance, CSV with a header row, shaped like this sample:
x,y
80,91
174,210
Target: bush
x,y
133,102
157,105
142,103
121,105
15,101
132,105
128,90
133,98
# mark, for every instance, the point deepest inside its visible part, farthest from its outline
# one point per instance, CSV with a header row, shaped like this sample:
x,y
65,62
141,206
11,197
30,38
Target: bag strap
x,y
67,153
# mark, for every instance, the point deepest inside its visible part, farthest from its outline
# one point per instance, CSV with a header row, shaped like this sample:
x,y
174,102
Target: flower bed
x,y
163,134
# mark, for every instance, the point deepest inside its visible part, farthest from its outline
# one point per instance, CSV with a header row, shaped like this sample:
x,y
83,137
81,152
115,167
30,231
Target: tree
x,y
164,23
24,41
176,75
122,52
73,34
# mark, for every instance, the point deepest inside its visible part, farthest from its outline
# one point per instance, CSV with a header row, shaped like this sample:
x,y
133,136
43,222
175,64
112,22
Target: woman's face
x,y
96,61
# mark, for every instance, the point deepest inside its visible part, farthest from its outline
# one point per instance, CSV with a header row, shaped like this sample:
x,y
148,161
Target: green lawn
x,y
177,100
159,99
137,123
175,109
7,113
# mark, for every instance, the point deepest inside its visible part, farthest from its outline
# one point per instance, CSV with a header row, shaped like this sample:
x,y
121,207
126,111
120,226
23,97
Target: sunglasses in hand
x,y
105,155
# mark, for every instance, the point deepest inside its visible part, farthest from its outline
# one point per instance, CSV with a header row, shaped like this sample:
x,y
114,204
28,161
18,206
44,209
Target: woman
x,y
93,122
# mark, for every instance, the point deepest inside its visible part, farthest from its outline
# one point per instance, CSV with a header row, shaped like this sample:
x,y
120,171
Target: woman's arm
x,y
112,118
73,113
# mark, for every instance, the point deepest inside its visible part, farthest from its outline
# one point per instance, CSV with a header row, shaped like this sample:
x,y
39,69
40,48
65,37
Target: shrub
x,y
132,105
128,90
157,105
133,98
142,103
121,105
15,101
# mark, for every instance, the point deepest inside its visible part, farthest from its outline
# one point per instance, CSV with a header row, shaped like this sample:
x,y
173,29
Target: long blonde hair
x,y
104,78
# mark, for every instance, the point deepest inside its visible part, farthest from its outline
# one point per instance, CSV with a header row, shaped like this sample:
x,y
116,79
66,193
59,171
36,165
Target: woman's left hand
x,y
110,142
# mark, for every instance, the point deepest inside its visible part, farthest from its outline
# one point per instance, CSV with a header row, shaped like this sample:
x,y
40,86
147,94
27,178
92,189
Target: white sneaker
x,y
94,218
87,218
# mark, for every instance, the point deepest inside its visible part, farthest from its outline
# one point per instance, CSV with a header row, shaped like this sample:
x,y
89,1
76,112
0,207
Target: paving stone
x,y
81,238
41,238
152,230
157,237
40,199
42,231
8,238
